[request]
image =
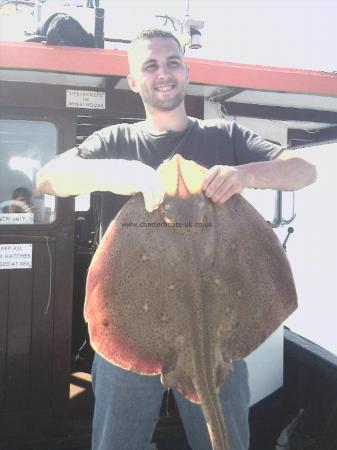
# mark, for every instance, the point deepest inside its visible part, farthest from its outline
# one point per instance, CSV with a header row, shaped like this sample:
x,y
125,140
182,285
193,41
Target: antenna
x,y
189,28
192,29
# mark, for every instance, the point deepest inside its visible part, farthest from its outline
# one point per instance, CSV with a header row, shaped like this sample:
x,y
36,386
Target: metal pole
x,y
99,27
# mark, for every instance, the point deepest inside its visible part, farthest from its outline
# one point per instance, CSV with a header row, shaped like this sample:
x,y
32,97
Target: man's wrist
x,y
247,175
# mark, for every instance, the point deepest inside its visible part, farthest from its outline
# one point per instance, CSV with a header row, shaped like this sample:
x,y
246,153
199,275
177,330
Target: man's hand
x,y
287,172
221,182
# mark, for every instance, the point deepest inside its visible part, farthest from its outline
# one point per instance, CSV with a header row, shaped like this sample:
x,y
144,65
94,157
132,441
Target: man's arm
x,y
70,174
286,173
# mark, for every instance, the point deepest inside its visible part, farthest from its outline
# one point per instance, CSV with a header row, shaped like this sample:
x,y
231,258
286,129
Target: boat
x,y
52,97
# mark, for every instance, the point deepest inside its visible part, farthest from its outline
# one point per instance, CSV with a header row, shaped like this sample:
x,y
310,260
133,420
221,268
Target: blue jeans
x,y
127,408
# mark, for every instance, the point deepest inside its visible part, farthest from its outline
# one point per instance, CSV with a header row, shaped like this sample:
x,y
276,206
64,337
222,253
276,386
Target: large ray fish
x,y
187,289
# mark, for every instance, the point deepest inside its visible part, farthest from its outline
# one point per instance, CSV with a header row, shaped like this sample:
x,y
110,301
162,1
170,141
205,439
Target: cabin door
x,y
36,275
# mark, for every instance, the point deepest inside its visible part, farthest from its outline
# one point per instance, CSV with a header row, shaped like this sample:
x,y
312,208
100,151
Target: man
x,y
122,159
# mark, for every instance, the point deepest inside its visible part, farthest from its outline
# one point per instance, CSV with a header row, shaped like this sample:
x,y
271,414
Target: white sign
x,y
85,99
16,256
16,218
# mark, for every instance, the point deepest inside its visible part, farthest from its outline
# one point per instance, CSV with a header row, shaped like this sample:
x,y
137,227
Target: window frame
x,y
59,120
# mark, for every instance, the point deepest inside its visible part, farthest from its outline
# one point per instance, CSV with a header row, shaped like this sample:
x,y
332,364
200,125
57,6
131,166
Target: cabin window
x,y
25,146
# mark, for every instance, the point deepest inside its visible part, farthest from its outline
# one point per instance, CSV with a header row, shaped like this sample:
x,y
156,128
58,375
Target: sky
x,y
294,33
280,33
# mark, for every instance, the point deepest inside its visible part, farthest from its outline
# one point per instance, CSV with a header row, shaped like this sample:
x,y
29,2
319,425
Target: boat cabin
x,y
51,99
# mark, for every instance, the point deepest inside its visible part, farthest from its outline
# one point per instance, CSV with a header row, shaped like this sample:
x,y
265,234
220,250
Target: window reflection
x,y
24,147
26,165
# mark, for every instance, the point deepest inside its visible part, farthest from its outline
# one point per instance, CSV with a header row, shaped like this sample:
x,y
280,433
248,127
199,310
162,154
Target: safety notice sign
x,y
76,98
16,256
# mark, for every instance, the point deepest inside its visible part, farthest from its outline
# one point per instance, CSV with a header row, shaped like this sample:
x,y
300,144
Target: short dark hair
x,y
22,192
152,33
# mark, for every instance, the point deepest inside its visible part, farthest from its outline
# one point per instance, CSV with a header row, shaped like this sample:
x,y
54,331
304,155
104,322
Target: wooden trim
x,y
46,97
4,308
19,340
279,112
298,136
91,61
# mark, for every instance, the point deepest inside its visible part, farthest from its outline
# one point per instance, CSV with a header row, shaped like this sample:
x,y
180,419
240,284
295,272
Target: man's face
x,y
158,73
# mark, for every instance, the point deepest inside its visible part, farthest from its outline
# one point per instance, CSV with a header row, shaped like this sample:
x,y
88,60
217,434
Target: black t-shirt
x,y
207,142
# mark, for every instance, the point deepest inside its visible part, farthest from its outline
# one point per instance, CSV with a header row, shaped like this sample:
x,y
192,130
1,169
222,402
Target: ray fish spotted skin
x,y
185,301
